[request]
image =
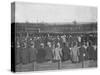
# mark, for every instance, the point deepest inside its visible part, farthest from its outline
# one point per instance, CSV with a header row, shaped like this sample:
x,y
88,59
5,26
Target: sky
x,y
53,13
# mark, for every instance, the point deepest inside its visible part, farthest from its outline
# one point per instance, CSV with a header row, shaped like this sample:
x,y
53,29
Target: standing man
x,y
58,54
49,54
24,53
18,53
82,53
65,52
41,53
32,55
75,52
90,51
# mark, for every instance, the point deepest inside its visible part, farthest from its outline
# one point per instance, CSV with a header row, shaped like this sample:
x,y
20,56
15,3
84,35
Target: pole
x,y
83,61
59,64
34,65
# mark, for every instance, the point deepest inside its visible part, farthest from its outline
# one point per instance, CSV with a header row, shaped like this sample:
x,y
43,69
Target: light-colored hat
x,y
42,44
48,43
58,44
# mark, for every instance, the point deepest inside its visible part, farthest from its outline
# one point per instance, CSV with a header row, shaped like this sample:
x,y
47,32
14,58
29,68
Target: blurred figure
x,y
95,51
32,55
41,53
90,51
58,52
24,53
32,52
18,53
53,50
86,54
63,38
82,53
49,54
74,53
65,52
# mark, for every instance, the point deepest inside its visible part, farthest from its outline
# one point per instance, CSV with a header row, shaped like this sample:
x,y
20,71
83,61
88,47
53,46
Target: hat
x,y
42,44
58,44
48,43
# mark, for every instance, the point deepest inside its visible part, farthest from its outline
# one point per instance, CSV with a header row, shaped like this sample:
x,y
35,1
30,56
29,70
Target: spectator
x,y
74,53
65,52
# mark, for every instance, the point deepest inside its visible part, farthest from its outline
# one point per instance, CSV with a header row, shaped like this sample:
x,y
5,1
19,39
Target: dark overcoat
x,y
32,54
